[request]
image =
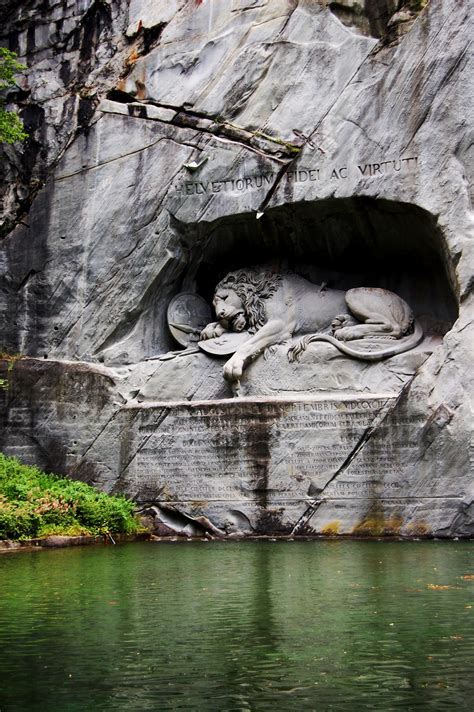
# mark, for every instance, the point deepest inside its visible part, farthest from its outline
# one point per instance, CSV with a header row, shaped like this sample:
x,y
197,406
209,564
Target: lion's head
x,y
240,298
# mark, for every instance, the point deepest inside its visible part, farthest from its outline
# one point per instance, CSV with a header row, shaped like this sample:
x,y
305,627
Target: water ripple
x,y
239,626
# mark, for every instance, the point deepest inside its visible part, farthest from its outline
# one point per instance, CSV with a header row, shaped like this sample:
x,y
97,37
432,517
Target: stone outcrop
x,y
174,142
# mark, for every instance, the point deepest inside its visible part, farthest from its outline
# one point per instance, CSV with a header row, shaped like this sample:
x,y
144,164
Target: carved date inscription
x,y
265,451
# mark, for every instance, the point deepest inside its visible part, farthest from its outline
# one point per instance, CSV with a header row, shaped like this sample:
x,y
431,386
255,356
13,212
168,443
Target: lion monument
x,y
275,307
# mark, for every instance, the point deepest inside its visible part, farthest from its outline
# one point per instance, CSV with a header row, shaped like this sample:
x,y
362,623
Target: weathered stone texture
x,y
178,141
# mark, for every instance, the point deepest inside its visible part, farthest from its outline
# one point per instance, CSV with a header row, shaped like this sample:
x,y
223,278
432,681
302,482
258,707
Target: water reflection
x,y
239,626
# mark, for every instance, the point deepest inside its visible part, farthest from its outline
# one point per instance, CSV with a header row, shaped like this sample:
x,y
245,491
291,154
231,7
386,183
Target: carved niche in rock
x,y
267,308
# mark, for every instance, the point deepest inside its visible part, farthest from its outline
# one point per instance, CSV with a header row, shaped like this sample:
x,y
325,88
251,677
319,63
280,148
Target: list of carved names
x,y
267,450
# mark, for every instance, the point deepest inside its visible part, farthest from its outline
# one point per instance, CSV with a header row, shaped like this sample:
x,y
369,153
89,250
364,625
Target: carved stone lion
x,y
275,307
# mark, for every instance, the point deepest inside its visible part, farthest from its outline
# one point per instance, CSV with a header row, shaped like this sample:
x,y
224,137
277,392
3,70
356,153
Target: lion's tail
x,y
399,347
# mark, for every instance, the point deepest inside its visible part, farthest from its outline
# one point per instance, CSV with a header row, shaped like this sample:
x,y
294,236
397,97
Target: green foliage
x,y
35,504
418,5
8,68
11,127
11,359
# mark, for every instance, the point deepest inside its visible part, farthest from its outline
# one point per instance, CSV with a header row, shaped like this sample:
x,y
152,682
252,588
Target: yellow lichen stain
x,y
10,358
132,57
393,525
199,504
419,528
369,527
140,90
331,528
378,526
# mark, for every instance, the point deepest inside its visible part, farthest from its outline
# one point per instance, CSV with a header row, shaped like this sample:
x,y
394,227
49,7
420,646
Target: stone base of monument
x,y
386,463
322,369
306,466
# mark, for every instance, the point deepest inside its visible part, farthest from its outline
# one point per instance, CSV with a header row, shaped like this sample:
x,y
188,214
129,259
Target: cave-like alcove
x,y
343,242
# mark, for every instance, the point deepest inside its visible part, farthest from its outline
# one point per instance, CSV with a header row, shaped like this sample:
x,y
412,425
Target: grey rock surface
x,y
174,142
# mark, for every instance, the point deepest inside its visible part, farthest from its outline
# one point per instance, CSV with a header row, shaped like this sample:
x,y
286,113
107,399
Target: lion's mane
x,y
252,287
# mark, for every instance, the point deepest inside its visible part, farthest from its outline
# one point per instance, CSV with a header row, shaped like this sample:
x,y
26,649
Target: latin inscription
x,y
299,175
265,452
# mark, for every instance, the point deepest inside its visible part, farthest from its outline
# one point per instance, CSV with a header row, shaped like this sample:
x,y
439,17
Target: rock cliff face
x,y
174,142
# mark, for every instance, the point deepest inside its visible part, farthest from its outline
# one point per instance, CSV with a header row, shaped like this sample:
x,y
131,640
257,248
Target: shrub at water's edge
x,y
36,504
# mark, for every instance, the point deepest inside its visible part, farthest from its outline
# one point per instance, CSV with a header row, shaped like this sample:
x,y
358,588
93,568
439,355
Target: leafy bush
x,y
11,127
17,522
34,503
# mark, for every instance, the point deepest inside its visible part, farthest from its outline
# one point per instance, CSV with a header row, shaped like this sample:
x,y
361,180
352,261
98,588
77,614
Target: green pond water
x,y
308,625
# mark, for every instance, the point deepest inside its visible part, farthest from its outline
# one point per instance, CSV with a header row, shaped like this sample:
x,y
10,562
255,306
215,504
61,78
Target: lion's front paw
x,y
233,368
211,331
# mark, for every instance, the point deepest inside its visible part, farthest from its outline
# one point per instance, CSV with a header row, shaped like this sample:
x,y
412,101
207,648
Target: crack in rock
x,y
386,410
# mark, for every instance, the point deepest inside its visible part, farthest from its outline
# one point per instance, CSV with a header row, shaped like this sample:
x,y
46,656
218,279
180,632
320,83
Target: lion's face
x,y
229,308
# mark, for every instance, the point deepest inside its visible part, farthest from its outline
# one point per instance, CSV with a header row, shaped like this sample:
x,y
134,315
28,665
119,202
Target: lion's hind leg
x,y
381,312
374,326
339,323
